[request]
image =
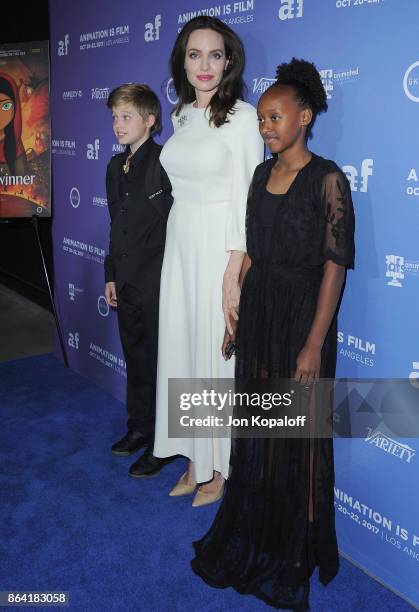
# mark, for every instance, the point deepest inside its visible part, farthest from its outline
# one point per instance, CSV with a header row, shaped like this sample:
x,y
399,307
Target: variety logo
x,y
74,197
261,84
73,291
411,82
353,174
63,45
102,306
72,95
412,189
152,30
73,340
357,349
93,149
171,94
329,77
100,93
290,9
414,375
397,267
404,452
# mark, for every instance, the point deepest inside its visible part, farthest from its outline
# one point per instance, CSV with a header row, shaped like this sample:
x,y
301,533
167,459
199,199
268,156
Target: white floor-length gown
x,y
210,170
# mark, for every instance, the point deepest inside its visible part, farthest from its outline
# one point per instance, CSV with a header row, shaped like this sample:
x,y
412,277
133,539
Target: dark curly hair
x,y
305,80
231,87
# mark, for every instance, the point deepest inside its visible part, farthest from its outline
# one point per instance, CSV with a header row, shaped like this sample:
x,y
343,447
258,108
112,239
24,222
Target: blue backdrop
x,y
368,55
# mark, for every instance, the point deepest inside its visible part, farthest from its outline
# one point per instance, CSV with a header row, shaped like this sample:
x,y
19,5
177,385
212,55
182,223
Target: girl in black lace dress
x,y
276,522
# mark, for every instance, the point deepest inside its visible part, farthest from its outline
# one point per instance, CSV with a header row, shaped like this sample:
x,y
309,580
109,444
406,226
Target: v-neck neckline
x,y
294,180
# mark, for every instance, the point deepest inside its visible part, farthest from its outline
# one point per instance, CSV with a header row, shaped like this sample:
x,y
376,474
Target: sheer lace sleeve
x,y
338,243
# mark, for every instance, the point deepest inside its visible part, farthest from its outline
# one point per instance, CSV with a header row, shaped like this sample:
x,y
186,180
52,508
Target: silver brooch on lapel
x,y
182,120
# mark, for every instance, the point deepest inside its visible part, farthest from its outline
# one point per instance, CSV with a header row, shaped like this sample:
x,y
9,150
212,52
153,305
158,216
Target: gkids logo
x,y
353,175
93,150
171,94
102,306
74,197
73,340
152,31
413,189
411,82
395,270
261,84
63,45
290,9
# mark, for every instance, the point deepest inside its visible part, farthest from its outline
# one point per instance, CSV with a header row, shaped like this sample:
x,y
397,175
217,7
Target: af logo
x,y
93,150
290,9
152,31
353,175
73,340
63,45
395,270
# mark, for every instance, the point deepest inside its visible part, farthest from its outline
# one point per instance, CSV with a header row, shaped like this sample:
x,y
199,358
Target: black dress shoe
x,y
129,444
148,465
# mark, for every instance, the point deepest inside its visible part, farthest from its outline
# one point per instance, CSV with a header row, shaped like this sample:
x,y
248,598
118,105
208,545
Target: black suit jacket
x,y
139,203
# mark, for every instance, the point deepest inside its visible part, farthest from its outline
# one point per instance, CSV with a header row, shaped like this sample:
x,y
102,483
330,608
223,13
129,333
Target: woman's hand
x,y
308,364
228,338
231,299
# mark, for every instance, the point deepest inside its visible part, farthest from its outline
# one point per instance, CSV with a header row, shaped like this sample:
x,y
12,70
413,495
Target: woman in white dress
x,y
210,160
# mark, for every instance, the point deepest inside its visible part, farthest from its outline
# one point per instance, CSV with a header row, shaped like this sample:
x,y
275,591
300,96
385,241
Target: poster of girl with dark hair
x,y
24,130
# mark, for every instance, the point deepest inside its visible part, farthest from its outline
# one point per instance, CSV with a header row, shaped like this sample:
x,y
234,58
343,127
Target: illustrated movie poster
x,y
25,130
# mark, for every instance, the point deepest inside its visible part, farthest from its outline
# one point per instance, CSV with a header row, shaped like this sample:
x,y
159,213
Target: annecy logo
x,y
404,452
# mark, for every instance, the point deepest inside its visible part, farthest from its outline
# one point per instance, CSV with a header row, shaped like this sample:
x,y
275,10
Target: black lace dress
x,y
260,541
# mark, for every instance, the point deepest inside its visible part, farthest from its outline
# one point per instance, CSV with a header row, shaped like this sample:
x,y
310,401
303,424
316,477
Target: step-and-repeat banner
x,y
367,52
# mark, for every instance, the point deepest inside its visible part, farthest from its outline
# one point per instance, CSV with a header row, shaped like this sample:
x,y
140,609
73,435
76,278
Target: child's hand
x,y
308,365
110,294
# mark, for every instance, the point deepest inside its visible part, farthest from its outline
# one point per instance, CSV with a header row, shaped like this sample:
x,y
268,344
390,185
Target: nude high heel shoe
x,y
203,499
182,488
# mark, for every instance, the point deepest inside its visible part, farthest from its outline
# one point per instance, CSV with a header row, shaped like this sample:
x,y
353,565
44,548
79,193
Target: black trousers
x,y
138,320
